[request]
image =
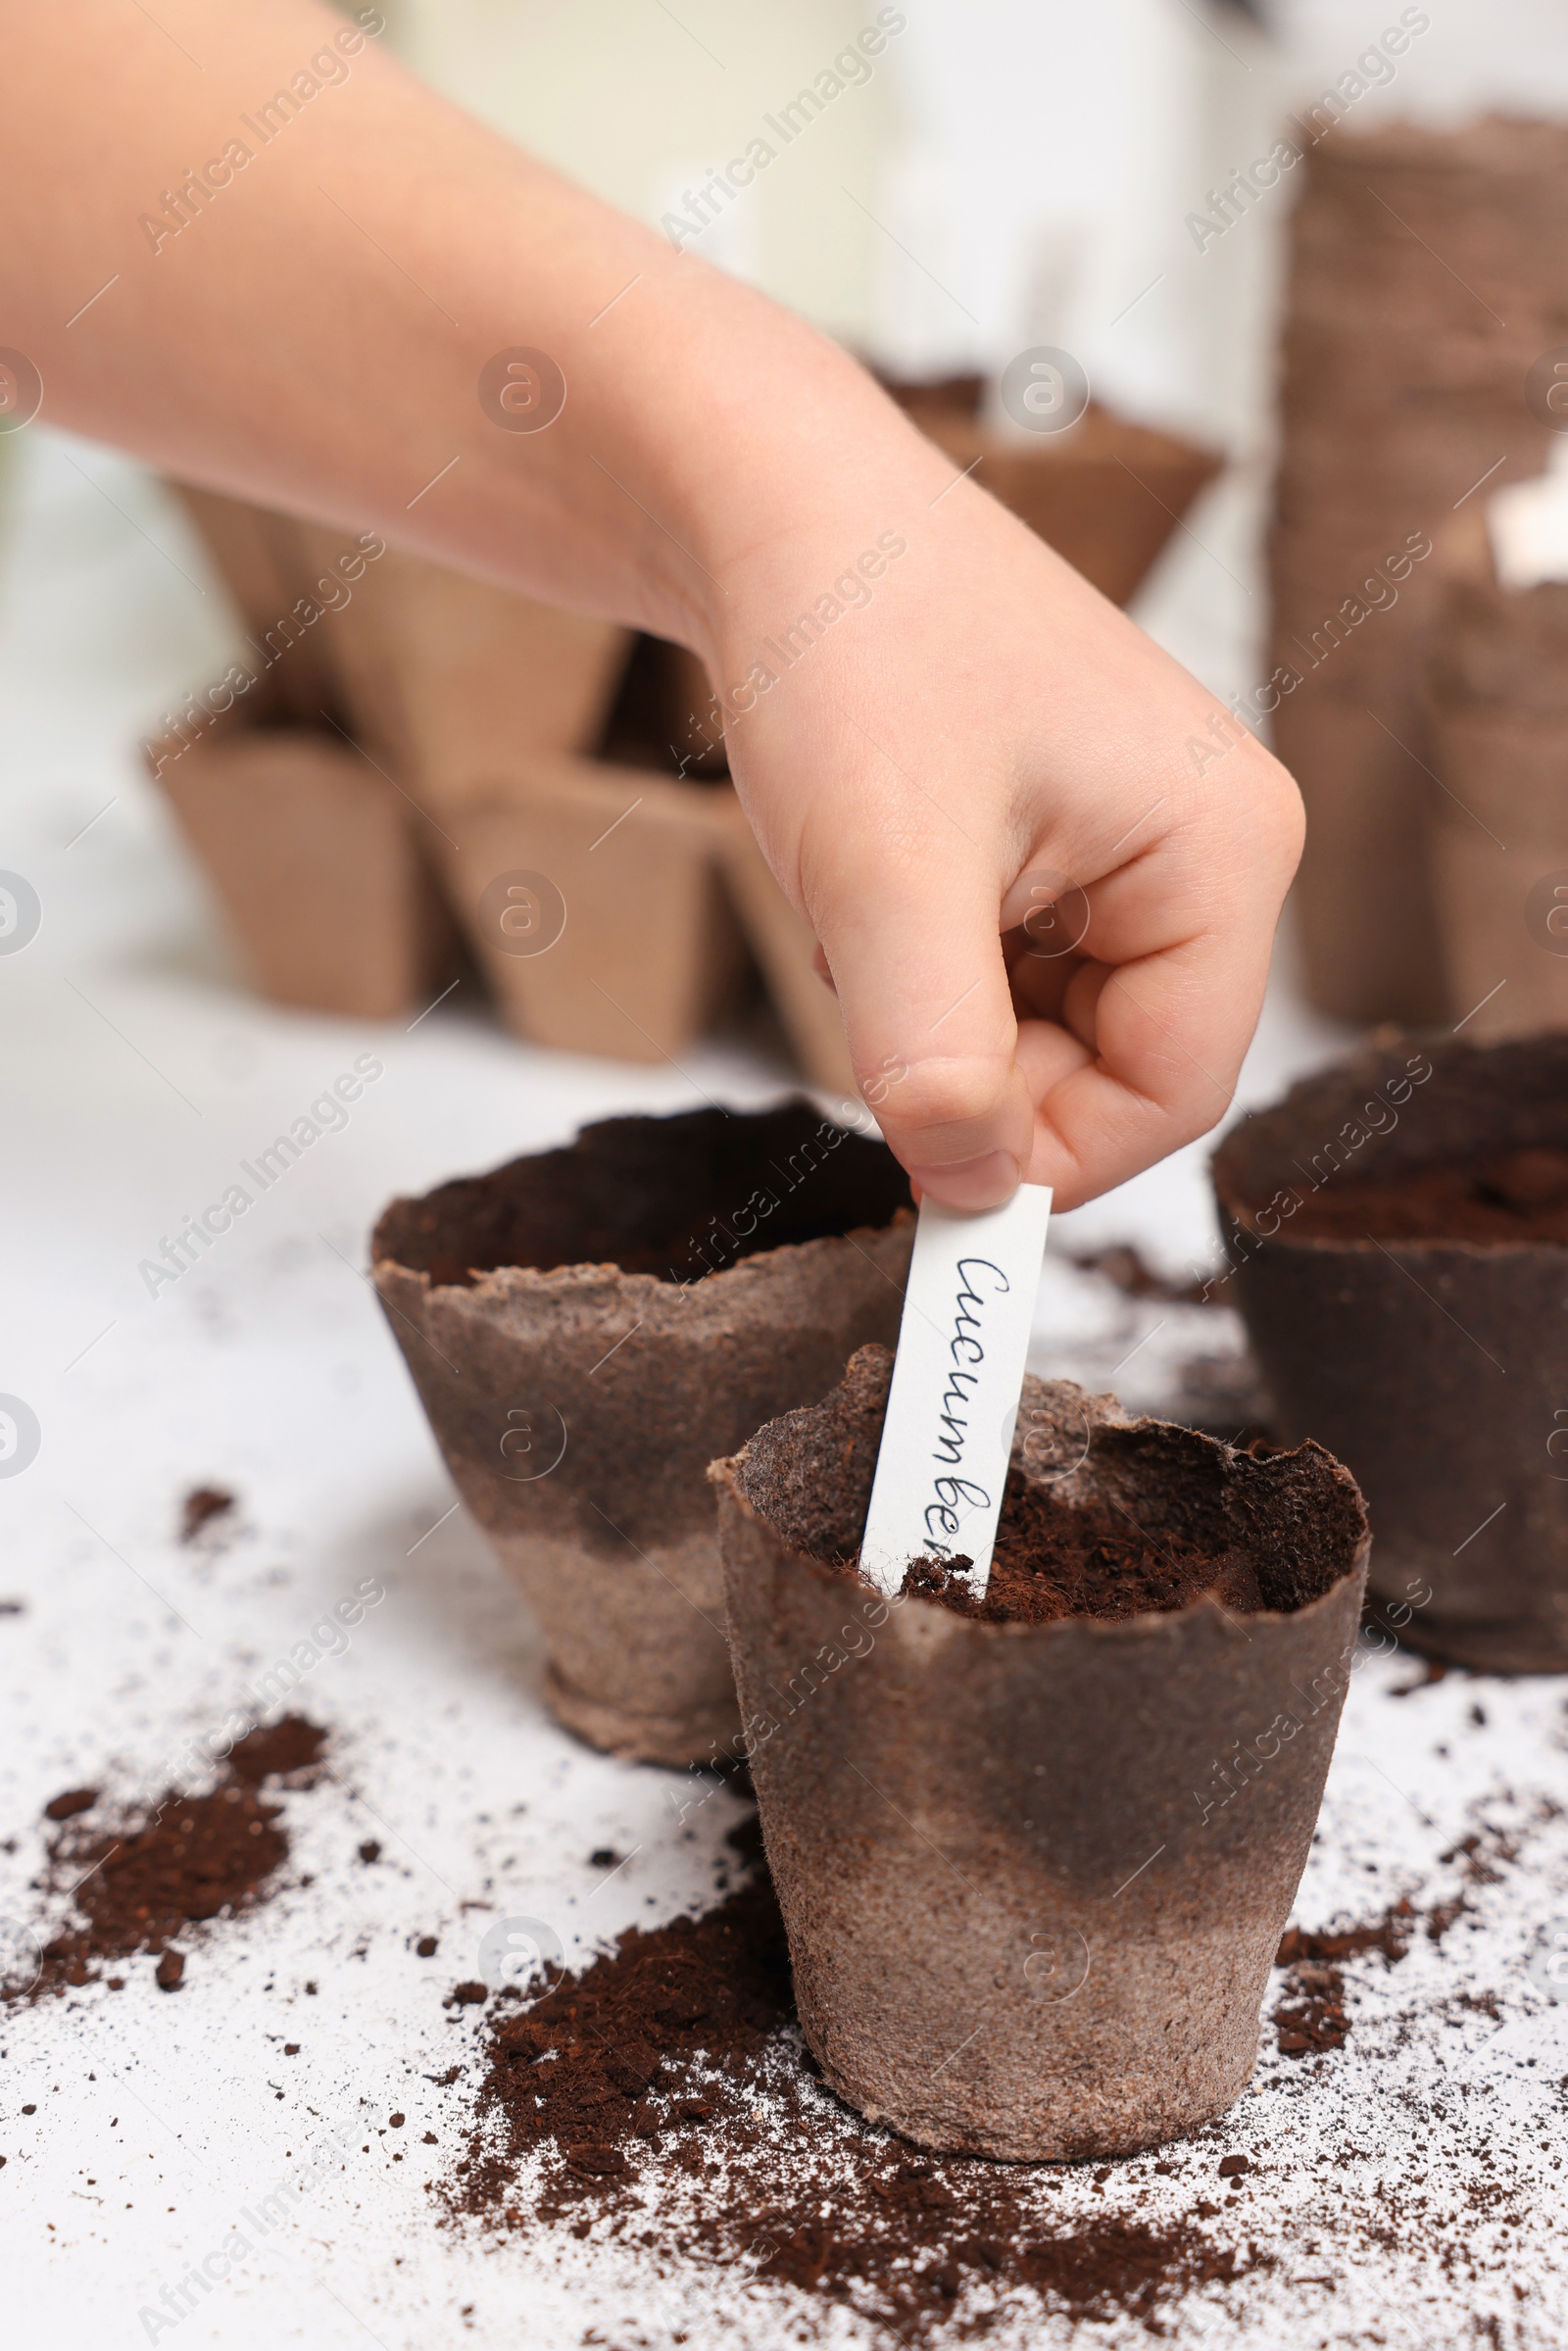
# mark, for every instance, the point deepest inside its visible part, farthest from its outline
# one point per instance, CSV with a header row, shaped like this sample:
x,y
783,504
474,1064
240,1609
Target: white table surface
x,y
136,1073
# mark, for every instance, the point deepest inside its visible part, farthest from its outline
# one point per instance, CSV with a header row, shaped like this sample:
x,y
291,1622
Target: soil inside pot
x,y
1517,1196
676,1198
1051,1561
1159,1532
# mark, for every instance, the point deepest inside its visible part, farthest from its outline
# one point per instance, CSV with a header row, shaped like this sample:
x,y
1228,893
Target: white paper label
x,y
1528,523
956,1380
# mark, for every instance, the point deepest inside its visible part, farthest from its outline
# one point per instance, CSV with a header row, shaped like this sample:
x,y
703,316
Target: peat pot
x,y
587,1328
1034,1873
1398,1230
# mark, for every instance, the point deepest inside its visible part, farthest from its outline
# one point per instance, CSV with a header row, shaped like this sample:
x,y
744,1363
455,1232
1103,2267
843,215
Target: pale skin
x,y
313,340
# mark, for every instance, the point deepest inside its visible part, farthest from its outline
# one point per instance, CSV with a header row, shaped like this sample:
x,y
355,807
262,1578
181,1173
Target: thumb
x,y
912,939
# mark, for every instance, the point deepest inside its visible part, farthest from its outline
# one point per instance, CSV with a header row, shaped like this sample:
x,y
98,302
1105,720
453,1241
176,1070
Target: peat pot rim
x,y
1258,1158
932,1622
714,1294
1350,1244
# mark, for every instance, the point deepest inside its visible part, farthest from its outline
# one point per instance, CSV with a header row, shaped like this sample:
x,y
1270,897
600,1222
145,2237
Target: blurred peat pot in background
x,y
590,1327
1399,1230
1035,1872
325,884
1498,805
1104,493
1406,388
487,767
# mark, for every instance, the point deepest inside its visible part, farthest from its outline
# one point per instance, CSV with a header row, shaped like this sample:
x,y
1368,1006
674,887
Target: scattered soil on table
x,y
1126,1265
1518,1196
272,1749
675,2063
201,1507
135,1881
1053,1561
1311,2018
67,1806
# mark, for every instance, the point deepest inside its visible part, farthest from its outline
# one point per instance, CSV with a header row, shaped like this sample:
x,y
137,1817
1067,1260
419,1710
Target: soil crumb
x,y
136,1879
201,1507
65,1808
1311,2018
1518,1196
1124,1263
677,2062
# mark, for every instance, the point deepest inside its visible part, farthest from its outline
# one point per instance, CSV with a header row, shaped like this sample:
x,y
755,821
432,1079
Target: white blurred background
x,y
1014,171
1018,172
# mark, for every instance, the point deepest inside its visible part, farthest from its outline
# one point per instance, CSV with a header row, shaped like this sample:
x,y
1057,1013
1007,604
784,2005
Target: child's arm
x,y
306,323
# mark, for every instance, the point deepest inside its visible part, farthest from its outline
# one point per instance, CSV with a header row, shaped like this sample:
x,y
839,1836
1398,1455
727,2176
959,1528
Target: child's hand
x,y
979,739
1045,882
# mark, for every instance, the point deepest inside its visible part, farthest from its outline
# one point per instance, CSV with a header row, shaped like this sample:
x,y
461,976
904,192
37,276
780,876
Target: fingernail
x,y
982,1183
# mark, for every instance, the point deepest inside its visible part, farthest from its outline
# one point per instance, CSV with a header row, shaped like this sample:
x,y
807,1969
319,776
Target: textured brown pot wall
x,y
1499,849
1365,915
257,553
315,865
1351,734
1424,283
578,1408
649,947
1031,1914
453,679
1497,801
1500,648
1436,1371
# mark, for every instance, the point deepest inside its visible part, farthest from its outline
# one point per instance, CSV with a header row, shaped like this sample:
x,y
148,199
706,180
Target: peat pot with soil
x,y
1398,1230
589,1327
1034,1855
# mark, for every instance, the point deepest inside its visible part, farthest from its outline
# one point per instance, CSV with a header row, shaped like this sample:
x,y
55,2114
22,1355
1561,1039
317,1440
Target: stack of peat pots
x,y
1397,1227
1497,807
319,869
404,759
405,763
1426,284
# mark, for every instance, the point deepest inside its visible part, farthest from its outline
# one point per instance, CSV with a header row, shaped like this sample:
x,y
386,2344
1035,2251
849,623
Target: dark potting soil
x,y
137,1881
1311,2018
1124,1263
290,1744
1516,1197
675,2062
677,1197
809,1474
201,1507
1053,1561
